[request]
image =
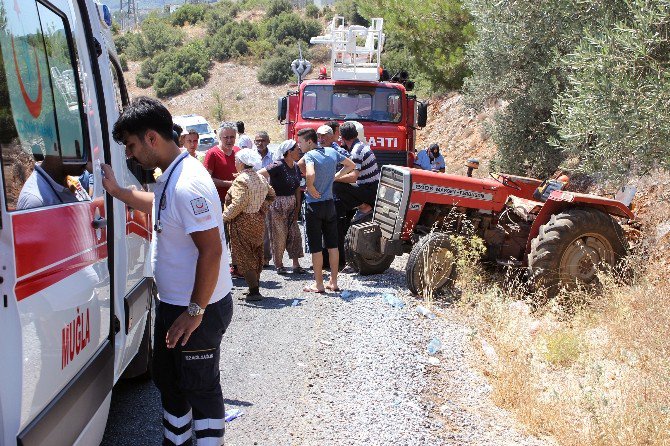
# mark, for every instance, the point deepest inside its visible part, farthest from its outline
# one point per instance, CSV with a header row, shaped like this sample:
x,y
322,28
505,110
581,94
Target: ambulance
x,y
75,289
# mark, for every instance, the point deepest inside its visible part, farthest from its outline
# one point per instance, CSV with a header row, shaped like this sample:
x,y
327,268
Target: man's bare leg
x,y
334,259
317,262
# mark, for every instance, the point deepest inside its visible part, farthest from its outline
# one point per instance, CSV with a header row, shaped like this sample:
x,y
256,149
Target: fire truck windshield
x,y
325,102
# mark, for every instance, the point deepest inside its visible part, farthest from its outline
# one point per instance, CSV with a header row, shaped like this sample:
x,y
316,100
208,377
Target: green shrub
x,y
277,7
123,61
261,48
312,11
156,36
231,40
189,13
277,69
288,27
196,80
327,11
239,47
121,41
143,82
219,15
274,71
175,71
352,13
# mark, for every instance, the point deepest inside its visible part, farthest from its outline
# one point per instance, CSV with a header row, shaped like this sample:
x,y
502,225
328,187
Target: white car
x,y
199,124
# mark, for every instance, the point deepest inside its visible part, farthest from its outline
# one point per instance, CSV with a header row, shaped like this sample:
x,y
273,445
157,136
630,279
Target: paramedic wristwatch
x,y
195,310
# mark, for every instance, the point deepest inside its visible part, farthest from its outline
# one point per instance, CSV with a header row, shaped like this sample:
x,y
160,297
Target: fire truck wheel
x,y
573,247
431,266
365,265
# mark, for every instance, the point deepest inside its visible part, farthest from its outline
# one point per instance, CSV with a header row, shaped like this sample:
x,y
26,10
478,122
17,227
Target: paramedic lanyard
x,y
157,226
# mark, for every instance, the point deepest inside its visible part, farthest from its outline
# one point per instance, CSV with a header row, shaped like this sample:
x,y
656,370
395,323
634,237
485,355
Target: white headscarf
x,y
249,157
285,147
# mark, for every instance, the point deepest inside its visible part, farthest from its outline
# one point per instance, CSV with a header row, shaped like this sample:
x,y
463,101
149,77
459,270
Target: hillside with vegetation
x,y
529,88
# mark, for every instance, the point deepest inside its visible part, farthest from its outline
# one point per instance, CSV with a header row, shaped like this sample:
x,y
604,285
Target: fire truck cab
x,y
75,309
358,90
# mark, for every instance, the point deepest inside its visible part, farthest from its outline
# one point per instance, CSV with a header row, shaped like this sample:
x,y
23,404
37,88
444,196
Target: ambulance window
x,y
42,141
120,93
61,57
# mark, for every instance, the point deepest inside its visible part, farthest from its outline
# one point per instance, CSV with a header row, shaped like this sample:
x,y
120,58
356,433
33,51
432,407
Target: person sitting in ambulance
x,y
52,182
430,159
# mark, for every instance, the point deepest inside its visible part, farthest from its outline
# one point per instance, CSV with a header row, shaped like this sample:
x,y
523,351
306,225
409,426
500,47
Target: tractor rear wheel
x,y
431,266
573,247
365,265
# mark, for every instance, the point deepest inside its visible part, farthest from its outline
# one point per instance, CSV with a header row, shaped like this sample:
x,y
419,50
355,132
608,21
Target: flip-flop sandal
x,y
283,270
309,289
333,289
299,270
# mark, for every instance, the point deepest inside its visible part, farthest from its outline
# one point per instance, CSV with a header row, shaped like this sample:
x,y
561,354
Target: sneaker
x,y
235,273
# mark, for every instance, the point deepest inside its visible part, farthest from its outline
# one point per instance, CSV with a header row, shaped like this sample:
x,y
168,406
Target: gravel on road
x,y
338,369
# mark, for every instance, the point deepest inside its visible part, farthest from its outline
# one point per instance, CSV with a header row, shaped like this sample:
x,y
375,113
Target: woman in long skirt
x,y
284,176
247,202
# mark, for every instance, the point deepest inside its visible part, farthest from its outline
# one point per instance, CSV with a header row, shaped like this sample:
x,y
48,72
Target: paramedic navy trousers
x,y
188,377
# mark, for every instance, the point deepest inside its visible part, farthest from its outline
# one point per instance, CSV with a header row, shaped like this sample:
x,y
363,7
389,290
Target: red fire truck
x,y
358,90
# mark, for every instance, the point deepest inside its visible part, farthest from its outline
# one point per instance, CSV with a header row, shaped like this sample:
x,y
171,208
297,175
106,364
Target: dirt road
x,y
334,370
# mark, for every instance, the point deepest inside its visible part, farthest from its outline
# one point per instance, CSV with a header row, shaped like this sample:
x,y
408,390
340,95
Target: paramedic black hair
x,y
143,113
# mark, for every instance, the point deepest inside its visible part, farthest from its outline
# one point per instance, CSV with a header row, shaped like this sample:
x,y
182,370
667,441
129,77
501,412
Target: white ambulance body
x,y
75,296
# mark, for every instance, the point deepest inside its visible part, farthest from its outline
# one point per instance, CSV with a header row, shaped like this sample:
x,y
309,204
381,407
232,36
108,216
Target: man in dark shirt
x,y
359,188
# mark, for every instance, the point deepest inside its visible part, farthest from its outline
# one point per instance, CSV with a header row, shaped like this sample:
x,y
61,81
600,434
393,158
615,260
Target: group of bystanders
x,y
241,197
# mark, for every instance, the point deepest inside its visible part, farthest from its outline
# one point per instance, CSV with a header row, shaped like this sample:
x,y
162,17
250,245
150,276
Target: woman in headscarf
x,y
284,176
246,203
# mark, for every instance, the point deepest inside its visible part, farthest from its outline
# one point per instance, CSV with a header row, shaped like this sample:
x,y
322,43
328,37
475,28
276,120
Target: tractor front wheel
x,y
431,266
365,264
573,247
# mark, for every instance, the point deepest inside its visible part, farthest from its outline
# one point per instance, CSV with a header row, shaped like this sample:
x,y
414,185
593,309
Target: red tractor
x,y
561,237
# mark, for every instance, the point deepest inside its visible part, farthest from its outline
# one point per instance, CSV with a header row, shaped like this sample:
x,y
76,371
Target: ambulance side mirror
x,y
421,114
282,107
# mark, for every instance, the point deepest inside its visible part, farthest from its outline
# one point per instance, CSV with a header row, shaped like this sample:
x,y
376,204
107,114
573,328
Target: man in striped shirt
x,y
358,188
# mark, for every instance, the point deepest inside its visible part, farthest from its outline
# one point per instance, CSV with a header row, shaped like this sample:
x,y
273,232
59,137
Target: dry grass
x,y
587,369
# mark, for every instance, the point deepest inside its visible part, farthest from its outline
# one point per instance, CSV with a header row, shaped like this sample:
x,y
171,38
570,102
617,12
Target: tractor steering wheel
x,y
505,180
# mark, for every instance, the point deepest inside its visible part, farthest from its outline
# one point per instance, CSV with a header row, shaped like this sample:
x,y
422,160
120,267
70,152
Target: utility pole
x,y
129,18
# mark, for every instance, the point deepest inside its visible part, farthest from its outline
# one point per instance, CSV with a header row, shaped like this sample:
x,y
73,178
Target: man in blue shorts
x,y
319,165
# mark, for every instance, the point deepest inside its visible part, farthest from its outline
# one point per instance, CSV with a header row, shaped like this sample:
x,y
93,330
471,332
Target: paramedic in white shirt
x,y
194,305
